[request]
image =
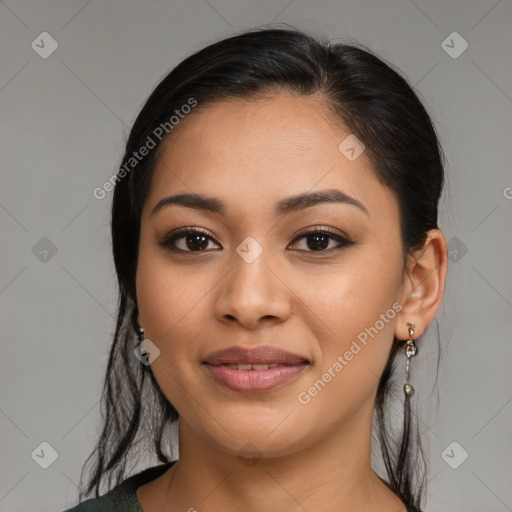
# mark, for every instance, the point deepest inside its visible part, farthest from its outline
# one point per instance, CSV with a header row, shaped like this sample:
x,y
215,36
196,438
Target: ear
x,y
423,286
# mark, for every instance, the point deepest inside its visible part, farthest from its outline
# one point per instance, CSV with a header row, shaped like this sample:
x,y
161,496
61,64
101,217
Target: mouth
x,y
249,366
254,370
258,356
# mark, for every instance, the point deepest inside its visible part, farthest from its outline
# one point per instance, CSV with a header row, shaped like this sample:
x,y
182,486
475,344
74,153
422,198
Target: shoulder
x,y
119,499
123,497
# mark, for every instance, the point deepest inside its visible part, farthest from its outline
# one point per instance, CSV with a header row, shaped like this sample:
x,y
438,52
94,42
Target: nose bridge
x,y
251,290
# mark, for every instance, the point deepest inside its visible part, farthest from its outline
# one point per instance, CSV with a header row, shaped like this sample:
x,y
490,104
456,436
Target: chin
x,y
258,441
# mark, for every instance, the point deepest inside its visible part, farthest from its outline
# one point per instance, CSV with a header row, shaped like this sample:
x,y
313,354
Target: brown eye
x,y
317,240
191,240
194,240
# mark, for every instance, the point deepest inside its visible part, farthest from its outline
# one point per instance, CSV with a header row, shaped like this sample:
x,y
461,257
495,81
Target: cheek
x,y
359,304
169,310
166,295
353,295
167,307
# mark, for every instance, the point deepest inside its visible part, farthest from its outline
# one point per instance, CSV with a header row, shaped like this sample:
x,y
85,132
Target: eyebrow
x,y
283,207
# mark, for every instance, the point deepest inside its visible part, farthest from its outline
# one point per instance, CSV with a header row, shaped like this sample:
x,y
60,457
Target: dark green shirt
x,y
123,497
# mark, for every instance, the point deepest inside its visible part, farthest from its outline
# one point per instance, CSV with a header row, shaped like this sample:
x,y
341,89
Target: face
x,y
318,280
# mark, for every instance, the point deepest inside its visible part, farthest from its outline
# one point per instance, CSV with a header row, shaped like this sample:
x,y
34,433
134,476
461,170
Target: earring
x,y
410,351
143,351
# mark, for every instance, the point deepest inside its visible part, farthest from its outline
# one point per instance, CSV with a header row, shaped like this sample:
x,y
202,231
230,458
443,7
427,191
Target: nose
x,y
253,294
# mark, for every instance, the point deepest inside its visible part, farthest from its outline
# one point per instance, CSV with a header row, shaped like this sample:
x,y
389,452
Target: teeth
x,y
260,366
252,366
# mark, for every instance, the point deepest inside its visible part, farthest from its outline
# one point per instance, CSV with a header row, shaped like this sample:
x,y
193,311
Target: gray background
x,y
64,123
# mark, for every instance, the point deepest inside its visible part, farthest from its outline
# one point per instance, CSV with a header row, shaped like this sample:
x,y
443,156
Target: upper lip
x,y
258,355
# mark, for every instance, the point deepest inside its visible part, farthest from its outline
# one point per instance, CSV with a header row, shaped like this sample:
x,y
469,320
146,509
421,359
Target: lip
x,y
258,355
288,366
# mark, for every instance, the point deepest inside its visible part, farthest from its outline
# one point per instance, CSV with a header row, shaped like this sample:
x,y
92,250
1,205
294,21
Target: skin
x,y
314,456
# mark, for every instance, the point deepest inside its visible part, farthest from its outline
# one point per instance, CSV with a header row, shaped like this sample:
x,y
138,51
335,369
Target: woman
x,y
275,237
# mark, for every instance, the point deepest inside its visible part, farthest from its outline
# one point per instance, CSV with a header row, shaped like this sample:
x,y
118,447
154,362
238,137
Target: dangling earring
x,y
410,351
142,351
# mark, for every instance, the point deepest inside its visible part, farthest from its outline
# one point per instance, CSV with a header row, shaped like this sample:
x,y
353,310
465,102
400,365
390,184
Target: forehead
x,y
265,149
279,127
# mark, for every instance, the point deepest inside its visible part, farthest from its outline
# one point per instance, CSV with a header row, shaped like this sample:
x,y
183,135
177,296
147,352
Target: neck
x,y
334,474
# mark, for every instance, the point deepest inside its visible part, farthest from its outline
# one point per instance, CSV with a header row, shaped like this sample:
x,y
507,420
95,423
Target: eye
x,y
189,239
317,239
194,238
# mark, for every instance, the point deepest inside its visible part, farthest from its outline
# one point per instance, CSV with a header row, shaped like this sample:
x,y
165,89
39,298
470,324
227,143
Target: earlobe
x,y
423,287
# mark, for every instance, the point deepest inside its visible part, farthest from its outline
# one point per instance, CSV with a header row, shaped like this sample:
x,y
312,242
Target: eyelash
x,y
169,240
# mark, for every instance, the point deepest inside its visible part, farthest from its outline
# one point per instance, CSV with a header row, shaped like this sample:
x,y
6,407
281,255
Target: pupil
x,y
192,238
316,240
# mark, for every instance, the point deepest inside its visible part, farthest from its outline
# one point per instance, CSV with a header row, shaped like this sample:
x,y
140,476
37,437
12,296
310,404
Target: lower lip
x,y
254,381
